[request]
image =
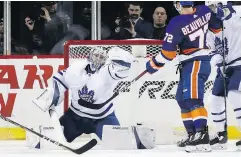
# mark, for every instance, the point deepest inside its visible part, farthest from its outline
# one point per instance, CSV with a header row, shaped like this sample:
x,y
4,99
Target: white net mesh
x,y
82,51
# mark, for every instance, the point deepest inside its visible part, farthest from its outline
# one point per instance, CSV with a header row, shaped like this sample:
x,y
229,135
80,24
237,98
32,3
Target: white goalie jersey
x,y
90,92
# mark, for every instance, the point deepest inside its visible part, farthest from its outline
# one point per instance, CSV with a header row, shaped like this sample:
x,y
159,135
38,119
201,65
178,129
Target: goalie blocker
x,y
114,137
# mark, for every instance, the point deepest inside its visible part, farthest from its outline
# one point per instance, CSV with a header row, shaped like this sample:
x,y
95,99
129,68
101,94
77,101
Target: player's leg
x,y
108,130
109,120
71,124
185,114
197,73
218,111
234,94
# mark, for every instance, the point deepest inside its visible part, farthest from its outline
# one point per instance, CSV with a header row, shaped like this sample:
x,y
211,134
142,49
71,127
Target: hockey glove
x,y
224,12
153,66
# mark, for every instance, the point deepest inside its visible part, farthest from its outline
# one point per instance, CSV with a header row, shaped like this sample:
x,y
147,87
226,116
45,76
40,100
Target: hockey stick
x,y
80,150
122,89
54,117
224,81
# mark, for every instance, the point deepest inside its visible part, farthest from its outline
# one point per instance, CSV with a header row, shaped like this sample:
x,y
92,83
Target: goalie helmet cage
x,y
155,107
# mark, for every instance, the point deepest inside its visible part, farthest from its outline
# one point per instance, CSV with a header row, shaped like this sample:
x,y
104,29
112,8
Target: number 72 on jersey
x,y
197,35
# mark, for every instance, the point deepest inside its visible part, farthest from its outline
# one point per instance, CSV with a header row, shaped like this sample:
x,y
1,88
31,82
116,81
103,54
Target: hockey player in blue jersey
x,y
188,33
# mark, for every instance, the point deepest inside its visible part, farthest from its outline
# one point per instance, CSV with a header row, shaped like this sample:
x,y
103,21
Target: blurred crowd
x,y
43,27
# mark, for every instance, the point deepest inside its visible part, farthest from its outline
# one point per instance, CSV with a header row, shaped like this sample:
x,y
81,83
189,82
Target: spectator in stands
x,y
1,36
133,25
46,27
16,47
159,23
84,21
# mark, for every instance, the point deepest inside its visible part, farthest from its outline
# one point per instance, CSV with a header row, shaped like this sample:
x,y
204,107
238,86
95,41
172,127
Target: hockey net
x,y
151,100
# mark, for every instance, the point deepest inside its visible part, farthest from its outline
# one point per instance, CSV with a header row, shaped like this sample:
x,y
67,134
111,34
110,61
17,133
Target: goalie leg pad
x,y
145,137
128,138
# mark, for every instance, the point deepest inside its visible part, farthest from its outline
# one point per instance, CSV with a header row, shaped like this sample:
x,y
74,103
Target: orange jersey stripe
x,y
194,81
187,51
215,31
199,112
169,54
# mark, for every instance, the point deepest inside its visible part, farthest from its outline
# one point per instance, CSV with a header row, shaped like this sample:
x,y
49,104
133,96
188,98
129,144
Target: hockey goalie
x,y
91,83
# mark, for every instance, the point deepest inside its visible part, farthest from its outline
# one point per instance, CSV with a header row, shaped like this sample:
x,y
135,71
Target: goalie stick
x,y
80,150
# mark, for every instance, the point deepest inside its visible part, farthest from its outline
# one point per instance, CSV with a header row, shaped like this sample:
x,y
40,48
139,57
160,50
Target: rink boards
x,y
149,101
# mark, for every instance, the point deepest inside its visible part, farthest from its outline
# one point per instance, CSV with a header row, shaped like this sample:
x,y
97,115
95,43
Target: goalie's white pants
x,y
218,108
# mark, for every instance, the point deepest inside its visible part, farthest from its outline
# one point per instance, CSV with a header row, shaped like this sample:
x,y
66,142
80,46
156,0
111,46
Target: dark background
x,y
109,10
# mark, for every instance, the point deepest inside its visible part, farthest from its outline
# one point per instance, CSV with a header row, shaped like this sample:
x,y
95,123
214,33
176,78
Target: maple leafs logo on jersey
x,y
219,46
86,95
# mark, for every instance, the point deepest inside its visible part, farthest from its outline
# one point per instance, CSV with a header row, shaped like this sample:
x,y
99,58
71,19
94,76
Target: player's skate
x,y
45,100
238,144
219,140
199,143
182,143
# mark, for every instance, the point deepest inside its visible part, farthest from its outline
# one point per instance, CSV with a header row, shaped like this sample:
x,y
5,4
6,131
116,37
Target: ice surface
x,y
18,149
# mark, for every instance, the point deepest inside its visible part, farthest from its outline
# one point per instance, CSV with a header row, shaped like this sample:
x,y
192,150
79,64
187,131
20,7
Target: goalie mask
x,y
97,58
